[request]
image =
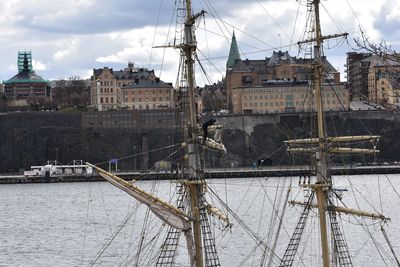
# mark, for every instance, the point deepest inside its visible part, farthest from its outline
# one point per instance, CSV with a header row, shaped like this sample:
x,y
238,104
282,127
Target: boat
x,y
189,216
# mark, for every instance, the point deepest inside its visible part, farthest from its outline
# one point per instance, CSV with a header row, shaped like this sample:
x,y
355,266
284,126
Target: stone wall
x,y
32,138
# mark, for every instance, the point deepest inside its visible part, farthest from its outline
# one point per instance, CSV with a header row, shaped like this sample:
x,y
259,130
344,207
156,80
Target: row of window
x,y
147,92
281,96
287,103
105,100
107,83
106,90
154,99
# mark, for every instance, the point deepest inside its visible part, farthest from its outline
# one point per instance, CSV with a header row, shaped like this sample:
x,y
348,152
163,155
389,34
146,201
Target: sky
x,y
69,38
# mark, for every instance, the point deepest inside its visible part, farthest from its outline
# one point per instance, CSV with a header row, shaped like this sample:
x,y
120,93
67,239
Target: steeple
x,y
233,53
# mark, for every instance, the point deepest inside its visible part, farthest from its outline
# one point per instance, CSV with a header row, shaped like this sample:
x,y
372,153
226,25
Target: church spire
x,y
233,53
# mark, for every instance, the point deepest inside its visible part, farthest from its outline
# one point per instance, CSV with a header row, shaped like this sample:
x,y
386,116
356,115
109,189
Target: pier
x,y
220,173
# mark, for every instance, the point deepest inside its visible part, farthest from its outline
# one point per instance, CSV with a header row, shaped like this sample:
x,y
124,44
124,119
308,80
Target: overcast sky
x,y
71,37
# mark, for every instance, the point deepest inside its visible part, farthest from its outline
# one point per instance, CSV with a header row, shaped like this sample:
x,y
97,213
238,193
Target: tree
x,y
73,92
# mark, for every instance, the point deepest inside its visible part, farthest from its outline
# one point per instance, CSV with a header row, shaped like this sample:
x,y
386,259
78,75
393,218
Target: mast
x,y
323,176
321,148
193,158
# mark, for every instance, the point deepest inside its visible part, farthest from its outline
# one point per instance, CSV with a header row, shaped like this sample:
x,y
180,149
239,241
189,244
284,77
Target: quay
x,y
220,173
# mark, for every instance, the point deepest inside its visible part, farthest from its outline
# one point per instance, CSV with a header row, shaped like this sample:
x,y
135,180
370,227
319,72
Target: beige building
x,y
285,96
147,94
388,92
280,66
383,82
106,85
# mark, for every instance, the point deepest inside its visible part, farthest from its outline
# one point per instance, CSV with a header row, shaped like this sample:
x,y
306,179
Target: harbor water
x,y
84,224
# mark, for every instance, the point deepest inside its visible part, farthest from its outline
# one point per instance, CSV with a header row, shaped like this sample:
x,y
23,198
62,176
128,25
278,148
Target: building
x,y
288,96
132,88
383,76
280,66
26,88
147,94
357,67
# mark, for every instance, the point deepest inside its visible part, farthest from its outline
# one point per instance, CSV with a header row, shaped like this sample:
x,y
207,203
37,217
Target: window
x,y
247,80
112,99
101,100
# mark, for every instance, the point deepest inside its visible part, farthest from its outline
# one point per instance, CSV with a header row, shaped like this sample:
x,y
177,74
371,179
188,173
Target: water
x,y
68,224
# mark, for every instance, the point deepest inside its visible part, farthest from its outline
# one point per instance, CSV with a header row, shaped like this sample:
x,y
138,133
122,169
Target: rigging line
x,y
391,184
348,112
380,192
390,245
208,59
275,216
242,31
295,23
105,211
340,29
283,212
86,223
355,15
155,32
144,228
142,153
155,237
276,23
248,229
166,37
111,238
258,49
208,48
364,226
217,18
203,69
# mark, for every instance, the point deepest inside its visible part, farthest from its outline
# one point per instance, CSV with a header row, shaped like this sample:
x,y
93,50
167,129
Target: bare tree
x,y
382,48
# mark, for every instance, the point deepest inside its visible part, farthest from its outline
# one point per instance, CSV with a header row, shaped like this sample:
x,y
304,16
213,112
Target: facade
x,y
357,67
388,92
147,94
383,75
288,96
26,88
107,85
280,66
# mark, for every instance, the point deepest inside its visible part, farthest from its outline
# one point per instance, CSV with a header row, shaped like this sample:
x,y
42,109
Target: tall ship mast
x,y
334,249
190,215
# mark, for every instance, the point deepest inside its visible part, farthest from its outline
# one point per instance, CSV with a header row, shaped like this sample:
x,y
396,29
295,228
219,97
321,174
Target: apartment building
x,y
288,96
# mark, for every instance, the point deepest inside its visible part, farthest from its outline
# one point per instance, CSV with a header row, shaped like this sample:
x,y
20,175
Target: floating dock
x,y
221,173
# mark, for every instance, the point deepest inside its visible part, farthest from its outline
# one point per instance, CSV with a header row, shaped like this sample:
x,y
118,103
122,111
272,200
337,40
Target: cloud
x,y
388,21
38,65
70,38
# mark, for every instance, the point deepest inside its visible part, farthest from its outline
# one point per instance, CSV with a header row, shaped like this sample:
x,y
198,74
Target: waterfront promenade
x,y
218,173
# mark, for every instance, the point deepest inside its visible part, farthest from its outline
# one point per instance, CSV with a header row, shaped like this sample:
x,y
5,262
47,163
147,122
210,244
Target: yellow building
x,y
147,94
106,85
383,77
288,96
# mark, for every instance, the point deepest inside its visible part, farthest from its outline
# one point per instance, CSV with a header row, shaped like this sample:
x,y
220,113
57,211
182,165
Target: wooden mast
x,y
323,180
193,158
